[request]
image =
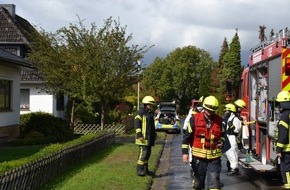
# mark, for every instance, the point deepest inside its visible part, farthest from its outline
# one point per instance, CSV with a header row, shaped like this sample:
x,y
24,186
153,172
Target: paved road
x,y
173,174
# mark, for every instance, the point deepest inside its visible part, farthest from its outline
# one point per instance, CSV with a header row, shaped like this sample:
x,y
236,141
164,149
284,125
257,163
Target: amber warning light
x,y
287,66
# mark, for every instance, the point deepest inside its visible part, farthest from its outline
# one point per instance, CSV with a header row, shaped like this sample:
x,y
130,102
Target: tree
x,y
231,70
93,66
217,69
181,76
224,50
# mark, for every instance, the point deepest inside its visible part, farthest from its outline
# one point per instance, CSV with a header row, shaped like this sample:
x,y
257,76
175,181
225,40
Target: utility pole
x,y
138,93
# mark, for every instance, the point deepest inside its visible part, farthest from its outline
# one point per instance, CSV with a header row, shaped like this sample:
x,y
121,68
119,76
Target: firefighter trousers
x,y
206,169
232,153
144,154
285,169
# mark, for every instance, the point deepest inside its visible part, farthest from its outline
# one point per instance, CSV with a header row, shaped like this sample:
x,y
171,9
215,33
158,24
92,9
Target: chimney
x,y
10,8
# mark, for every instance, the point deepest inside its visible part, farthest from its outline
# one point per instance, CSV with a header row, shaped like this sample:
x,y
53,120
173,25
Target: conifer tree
x,y
231,71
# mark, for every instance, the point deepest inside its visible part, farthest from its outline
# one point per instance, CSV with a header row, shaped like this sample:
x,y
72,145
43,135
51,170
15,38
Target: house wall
x,y
40,100
10,120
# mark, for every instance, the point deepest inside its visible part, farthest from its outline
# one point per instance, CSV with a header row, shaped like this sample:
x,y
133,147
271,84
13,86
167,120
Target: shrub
x,y
40,127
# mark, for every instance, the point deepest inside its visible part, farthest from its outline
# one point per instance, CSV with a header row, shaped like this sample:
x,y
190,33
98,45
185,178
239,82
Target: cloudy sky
x,y
166,24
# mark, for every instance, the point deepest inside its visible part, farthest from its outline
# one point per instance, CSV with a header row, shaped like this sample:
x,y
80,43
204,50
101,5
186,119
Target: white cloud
x,y
167,24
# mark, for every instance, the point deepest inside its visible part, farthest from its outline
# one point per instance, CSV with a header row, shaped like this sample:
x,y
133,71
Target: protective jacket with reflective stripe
x,y
283,140
144,126
205,142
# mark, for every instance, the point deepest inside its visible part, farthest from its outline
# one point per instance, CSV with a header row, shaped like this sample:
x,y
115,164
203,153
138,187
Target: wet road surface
x,y
173,174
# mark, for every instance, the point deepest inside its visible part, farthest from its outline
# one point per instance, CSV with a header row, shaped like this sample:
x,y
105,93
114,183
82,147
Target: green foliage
x,y
32,138
46,151
40,127
17,152
181,76
230,70
85,115
95,65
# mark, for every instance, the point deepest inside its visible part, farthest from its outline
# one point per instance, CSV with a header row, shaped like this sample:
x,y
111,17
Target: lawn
x,y
114,168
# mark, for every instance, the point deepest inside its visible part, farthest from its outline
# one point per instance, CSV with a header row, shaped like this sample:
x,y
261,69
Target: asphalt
x,y
173,174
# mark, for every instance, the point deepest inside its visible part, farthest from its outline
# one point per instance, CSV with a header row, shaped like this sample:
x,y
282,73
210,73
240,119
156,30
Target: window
x,y
60,102
5,95
24,99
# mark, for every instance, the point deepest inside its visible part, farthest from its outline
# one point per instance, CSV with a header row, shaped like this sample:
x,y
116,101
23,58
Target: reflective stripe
x,y
189,129
138,130
185,146
208,154
138,117
140,162
144,127
138,142
284,124
143,130
286,147
280,145
287,184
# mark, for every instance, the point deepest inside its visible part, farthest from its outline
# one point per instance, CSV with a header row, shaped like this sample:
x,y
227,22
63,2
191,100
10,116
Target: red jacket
x,y
204,141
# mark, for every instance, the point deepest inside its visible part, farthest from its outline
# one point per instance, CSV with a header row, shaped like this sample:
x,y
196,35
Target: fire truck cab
x,y
267,74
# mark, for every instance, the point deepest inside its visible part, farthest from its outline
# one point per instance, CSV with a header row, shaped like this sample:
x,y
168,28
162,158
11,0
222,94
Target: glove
x,y
231,126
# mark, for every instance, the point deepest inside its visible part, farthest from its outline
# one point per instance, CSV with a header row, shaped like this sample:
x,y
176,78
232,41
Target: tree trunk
x,y
102,116
72,116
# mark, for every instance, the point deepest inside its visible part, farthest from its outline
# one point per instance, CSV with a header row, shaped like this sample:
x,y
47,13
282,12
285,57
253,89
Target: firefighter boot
x,y
140,170
146,170
198,183
233,172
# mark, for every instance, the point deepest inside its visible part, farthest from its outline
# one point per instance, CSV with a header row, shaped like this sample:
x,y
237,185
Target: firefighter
x,y
283,144
240,105
233,127
145,134
197,109
205,135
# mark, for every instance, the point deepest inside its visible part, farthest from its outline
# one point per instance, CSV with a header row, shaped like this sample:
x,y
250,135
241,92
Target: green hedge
x,y
46,151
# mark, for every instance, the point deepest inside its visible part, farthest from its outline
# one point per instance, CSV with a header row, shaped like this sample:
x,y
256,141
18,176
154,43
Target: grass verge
x,y
114,168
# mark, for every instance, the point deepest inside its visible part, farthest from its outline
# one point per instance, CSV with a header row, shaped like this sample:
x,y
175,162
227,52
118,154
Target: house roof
x,y
13,28
31,76
7,58
17,31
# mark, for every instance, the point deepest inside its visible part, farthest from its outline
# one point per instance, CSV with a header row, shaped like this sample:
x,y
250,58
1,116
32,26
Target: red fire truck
x,y
267,74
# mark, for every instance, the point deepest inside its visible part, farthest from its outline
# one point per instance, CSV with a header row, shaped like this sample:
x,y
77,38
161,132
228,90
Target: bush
x,y
40,127
46,151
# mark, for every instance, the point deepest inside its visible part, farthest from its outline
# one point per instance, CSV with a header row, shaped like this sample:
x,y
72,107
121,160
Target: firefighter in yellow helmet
x,y
233,127
240,105
145,134
206,136
283,144
193,110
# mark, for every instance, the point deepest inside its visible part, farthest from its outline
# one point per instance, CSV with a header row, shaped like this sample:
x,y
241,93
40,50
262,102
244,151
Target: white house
x,y
15,37
10,66
34,97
